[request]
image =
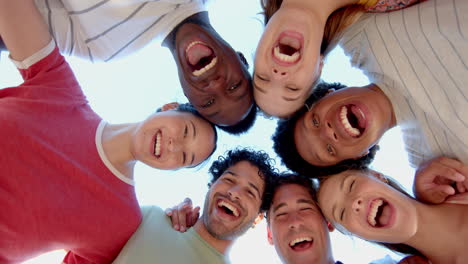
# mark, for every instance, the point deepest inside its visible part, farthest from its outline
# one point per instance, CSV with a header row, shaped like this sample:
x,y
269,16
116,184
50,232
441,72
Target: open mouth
x,y
228,209
157,144
353,120
301,243
379,214
288,48
200,57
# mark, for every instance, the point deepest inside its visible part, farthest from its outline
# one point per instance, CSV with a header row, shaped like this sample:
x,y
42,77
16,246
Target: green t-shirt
x,y
155,241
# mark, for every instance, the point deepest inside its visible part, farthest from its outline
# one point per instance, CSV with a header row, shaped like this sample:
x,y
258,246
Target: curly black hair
x,y
286,178
260,159
284,143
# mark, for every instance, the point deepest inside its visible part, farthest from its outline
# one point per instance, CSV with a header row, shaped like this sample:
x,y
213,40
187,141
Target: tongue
x,y
302,245
384,218
359,115
197,52
292,42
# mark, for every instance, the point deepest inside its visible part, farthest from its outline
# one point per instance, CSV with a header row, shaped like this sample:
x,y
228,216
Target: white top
x,y
103,30
418,56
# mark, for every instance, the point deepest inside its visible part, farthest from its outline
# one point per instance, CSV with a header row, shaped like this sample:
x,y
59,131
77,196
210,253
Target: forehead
x,y
246,171
290,194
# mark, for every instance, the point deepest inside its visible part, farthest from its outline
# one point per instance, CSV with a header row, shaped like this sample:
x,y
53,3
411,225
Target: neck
x,y
222,246
116,142
446,222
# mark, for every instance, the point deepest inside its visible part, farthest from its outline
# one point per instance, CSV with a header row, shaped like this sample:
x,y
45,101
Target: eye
x,y
351,185
184,157
228,180
315,120
209,103
293,89
234,87
251,194
331,150
278,215
262,78
306,209
342,215
185,131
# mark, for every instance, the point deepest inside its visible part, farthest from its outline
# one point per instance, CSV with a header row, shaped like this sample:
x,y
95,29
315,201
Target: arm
x,y
442,180
22,28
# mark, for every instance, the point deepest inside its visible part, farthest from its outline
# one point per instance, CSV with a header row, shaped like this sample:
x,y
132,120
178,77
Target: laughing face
x,y
343,125
233,201
361,203
297,228
287,61
173,139
213,76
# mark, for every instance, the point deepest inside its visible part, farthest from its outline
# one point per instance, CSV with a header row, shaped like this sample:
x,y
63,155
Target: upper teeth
x,y
299,240
285,57
373,211
157,144
192,44
230,207
344,120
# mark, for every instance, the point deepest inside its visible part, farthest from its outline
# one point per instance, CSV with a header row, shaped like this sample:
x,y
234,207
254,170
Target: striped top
x,y
103,30
418,56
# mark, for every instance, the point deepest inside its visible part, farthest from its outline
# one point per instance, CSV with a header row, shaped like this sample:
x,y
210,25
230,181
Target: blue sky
x,y
131,89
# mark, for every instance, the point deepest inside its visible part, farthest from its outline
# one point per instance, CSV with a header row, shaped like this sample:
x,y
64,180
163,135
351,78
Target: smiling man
x,y
213,75
339,128
238,194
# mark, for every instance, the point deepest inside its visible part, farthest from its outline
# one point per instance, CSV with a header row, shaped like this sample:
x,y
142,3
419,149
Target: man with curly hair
x,y
238,194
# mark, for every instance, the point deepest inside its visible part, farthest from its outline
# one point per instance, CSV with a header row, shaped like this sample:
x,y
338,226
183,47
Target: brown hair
x,y
338,21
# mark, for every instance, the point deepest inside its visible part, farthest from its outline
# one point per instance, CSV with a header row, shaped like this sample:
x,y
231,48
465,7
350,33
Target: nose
x,y
295,221
174,145
279,74
328,132
357,205
216,84
234,193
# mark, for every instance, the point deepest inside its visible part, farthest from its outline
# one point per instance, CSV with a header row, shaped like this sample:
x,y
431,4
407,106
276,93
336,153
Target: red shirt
x,y
55,191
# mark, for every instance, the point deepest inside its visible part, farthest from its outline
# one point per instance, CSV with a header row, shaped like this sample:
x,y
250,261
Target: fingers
x,y
437,194
183,216
461,198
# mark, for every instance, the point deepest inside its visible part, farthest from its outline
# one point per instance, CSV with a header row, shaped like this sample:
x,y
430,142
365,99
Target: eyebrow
x,y
289,99
250,184
194,130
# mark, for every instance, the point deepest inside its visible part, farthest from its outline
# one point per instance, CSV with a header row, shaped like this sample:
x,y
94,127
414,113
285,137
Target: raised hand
x,y
442,180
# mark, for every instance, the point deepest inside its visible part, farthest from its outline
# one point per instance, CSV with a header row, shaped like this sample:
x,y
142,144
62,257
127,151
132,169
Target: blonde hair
x,y
336,22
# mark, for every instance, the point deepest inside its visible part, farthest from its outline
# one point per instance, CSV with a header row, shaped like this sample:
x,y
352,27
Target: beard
x,y
218,229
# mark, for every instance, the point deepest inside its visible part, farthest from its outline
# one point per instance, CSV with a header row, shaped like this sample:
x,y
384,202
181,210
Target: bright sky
x,y
131,89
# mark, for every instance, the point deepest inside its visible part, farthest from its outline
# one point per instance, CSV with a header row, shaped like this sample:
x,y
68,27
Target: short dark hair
x,y
260,159
286,178
285,146
244,125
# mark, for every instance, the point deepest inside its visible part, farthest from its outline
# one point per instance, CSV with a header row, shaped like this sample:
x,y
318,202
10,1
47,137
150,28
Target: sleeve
x,y
381,6
106,30
47,75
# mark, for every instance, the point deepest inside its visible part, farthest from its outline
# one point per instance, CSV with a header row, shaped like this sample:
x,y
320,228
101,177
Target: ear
x,y
242,58
330,226
270,237
257,220
381,177
170,106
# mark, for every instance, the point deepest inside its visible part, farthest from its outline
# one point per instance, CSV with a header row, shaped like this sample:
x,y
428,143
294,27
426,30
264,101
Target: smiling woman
x,y
374,207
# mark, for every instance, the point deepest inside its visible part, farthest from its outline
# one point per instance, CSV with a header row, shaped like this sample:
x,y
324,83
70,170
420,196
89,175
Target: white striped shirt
x,y
418,56
103,30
